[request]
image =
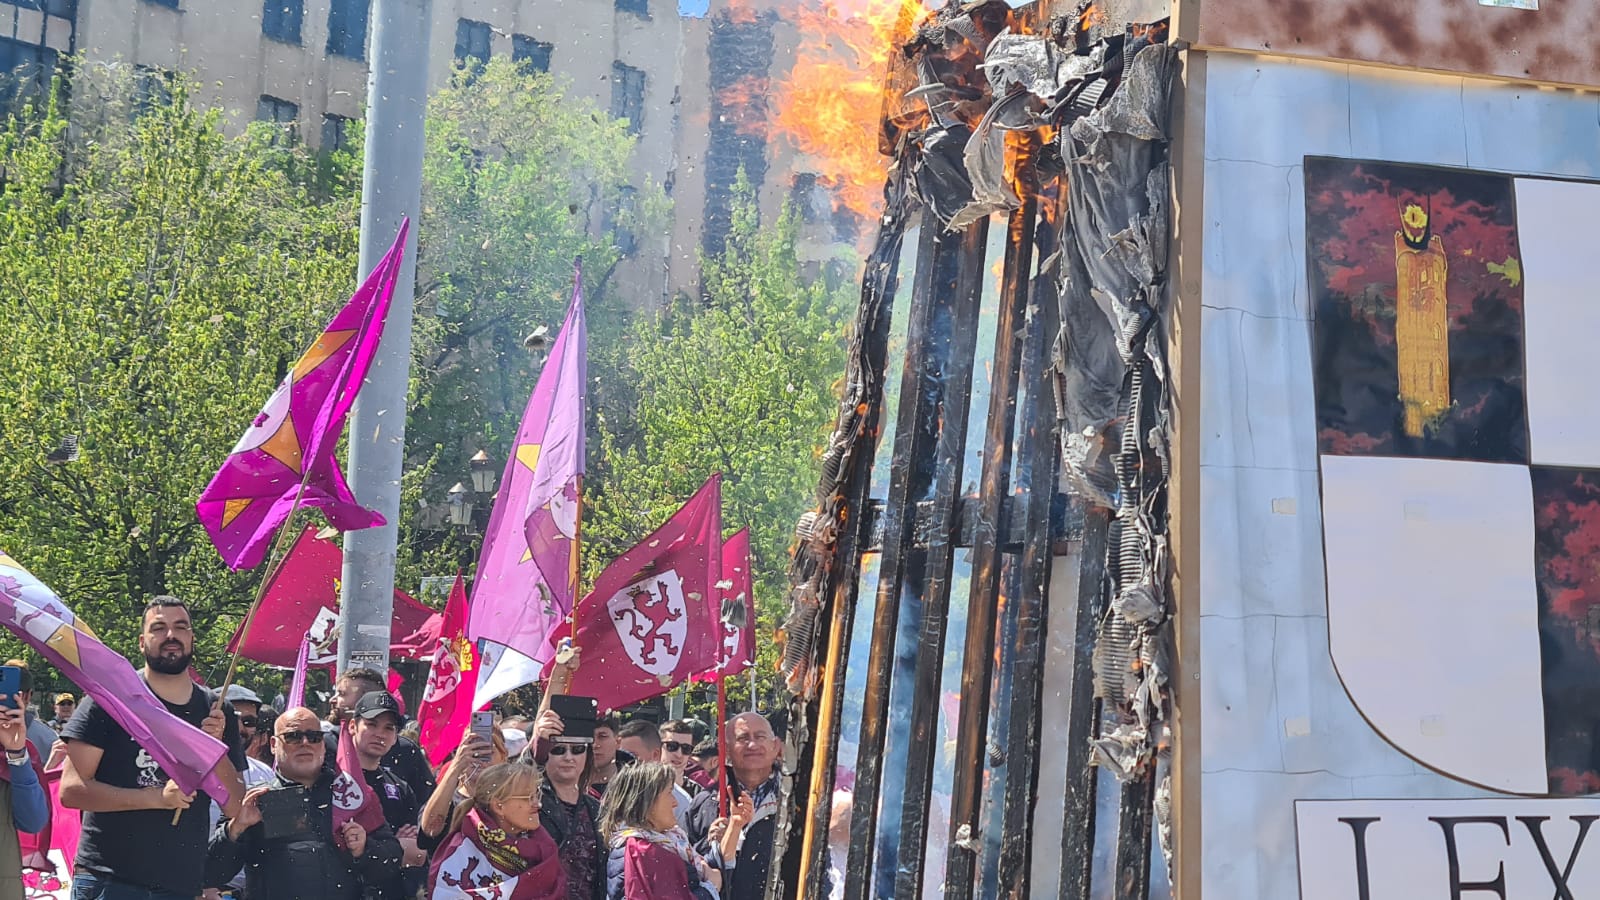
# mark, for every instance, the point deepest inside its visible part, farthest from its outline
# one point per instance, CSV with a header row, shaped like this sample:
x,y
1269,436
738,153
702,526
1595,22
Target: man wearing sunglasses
x,y
283,836
677,751
572,815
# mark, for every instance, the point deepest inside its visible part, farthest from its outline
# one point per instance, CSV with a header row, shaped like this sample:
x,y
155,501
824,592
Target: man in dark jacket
x,y
297,855
753,770
375,729
405,758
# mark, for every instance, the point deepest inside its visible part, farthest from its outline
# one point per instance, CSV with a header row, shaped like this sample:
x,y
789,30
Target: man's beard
x,y
176,665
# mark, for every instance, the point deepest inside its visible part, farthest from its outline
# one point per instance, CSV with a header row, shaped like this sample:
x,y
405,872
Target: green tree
x,y
519,179
740,381
157,279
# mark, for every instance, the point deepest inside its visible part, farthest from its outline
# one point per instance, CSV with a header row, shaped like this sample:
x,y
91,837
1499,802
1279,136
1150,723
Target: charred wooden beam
x,y
1037,475
1083,713
917,784
978,659
1135,812
922,399
832,571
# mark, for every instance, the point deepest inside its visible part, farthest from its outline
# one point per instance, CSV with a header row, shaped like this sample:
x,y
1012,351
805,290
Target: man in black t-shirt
x,y
374,728
129,846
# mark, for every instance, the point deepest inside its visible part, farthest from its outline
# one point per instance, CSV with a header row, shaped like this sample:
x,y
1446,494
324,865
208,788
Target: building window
x,y
280,20
335,133
347,28
627,95
152,88
622,222
640,8
531,54
25,73
472,43
280,112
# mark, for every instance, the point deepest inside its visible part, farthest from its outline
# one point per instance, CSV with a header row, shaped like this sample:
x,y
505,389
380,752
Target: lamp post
x,y
482,473
460,505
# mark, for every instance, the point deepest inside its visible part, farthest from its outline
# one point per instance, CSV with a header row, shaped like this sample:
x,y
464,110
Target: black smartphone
x,y
285,813
578,715
10,686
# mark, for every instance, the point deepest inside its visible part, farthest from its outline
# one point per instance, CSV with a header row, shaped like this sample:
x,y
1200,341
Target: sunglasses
x,y
564,749
247,721
301,737
675,747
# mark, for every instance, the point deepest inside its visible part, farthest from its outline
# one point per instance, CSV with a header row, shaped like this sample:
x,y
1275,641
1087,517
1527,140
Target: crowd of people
x,y
634,811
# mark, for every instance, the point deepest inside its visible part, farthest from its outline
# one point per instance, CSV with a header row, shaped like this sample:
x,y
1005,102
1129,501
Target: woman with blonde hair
x,y
650,855
495,847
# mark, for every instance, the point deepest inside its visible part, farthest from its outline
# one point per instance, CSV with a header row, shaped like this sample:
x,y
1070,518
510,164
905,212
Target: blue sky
x,y
696,8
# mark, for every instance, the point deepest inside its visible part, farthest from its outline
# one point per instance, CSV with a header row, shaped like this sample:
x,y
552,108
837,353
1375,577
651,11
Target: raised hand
x,y
548,725
214,722
174,797
249,812
13,727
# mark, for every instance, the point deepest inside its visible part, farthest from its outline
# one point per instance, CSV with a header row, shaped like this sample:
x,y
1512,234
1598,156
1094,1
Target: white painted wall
x,y
1277,725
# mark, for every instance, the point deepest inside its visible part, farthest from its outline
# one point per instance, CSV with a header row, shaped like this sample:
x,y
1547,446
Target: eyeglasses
x,y
301,737
247,721
752,739
564,749
675,747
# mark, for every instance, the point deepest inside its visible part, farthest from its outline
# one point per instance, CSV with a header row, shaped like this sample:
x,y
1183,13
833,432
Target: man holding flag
x,y
129,846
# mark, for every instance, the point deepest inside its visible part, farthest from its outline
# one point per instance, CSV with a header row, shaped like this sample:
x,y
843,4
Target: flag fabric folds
x,y
292,441
297,686
32,612
528,572
737,611
447,702
352,797
652,620
301,599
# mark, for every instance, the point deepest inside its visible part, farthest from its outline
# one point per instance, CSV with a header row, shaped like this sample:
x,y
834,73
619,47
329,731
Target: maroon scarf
x,y
482,860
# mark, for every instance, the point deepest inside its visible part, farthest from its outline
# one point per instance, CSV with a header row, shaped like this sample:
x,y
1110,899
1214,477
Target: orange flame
x,y
830,105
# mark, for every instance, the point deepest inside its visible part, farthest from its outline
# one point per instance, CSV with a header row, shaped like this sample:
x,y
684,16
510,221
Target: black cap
x,y
375,703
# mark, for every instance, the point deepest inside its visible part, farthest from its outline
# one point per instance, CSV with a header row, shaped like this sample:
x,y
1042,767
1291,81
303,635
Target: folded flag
x,y
291,443
737,610
652,620
37,616
353,799
447,704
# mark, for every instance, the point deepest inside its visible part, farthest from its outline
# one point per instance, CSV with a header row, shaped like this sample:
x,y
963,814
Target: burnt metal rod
x,y
950,457
1037,471
977,663
911,480
809,865
1083,712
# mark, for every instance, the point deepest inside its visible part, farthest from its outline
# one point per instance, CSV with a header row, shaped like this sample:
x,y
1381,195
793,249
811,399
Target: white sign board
x,y
1513,849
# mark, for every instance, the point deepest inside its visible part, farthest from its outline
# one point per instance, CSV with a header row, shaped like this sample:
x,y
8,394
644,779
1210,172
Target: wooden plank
x,y
1133,836
950,456
1083,713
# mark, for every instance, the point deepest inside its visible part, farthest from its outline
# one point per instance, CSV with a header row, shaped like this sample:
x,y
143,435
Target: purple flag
x,y
292,440
528,572
297,687
35,614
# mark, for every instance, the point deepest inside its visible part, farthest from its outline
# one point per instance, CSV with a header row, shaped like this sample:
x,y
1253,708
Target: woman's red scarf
x,y
482,860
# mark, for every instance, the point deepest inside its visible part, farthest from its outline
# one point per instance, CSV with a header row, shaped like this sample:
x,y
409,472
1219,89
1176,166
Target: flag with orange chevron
x,y
292,441
32,612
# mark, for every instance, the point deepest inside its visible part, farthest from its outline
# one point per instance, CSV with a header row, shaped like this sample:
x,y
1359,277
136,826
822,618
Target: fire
x,y
830,105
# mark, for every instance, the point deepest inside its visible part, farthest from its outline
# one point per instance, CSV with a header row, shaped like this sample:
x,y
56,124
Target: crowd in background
x,y
633,811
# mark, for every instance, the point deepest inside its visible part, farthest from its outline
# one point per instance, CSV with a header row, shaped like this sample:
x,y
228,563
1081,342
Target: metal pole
x,y
391,189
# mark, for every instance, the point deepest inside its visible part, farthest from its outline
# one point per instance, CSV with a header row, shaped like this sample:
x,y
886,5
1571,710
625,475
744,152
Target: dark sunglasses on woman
x,y
564,749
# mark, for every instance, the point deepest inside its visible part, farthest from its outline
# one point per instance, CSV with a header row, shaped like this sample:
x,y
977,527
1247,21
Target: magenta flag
x,y
297,687
652,621
292,441
353,798
528,571
37,616
737,611
447,703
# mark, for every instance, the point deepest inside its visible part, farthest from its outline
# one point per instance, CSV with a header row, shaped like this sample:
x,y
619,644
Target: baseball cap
x,y
66,698
375,703
238,694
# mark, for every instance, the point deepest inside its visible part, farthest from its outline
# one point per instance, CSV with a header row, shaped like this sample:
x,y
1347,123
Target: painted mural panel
x,y
1463,570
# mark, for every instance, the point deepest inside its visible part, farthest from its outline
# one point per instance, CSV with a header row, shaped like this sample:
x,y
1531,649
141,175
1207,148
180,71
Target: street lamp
x,y
482,473
460,505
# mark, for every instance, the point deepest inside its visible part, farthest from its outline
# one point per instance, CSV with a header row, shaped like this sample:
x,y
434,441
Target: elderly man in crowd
x,y
752,773
284,837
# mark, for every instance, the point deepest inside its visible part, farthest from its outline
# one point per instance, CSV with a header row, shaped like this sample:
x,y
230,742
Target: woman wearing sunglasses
x,y
568,812
496,841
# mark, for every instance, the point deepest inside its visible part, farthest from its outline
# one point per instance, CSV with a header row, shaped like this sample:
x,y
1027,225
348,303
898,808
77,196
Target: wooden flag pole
x,y
722,744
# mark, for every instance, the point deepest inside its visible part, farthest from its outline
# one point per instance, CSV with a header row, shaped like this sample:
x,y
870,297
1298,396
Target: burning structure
x,y
1340,512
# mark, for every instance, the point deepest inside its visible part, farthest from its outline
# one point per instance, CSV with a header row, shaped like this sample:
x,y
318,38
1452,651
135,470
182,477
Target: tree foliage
x,y
155,281
740,381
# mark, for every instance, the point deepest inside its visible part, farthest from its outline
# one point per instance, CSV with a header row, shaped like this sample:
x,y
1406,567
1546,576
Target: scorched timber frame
x,y
1059,125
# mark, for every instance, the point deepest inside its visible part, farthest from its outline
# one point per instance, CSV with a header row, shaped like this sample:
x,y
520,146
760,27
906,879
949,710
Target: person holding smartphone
x,y
23,806
570,813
